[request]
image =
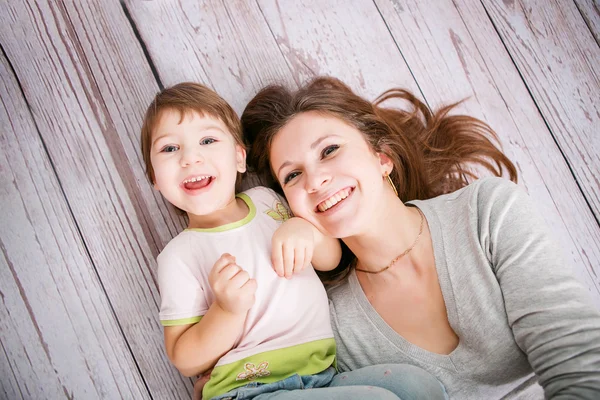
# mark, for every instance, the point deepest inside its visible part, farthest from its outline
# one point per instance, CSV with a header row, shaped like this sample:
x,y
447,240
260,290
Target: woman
x,y
466,285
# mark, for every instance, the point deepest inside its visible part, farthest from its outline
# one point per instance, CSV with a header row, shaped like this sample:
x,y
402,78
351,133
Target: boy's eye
x,y
329,150
290,176
206,141
169,149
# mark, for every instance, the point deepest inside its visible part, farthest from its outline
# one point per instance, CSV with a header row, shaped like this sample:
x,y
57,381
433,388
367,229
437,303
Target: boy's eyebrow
x,y
203,128
312,147
158,138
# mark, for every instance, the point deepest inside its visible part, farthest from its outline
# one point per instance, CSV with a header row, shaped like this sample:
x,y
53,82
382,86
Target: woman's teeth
x,y
333,200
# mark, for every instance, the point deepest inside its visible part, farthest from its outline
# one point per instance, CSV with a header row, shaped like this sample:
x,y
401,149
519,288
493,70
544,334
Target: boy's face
x,y
195,162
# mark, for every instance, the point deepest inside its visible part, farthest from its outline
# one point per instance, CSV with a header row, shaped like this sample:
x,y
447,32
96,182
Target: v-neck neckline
x,y
442,360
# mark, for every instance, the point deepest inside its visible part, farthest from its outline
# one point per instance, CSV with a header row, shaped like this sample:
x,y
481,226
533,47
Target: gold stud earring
x,y
392,184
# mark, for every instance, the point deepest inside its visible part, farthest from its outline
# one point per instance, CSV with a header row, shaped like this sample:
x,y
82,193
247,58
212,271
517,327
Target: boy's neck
x,y
234,211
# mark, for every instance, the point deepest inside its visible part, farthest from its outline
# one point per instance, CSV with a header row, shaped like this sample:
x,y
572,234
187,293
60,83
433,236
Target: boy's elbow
x,y
188,373
184,368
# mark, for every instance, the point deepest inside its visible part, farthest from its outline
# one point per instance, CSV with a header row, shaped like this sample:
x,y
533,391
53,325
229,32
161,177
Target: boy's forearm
x,y
327,253
200,347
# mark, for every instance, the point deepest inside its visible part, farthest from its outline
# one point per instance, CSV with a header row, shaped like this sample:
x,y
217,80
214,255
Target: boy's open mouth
x,y
197,182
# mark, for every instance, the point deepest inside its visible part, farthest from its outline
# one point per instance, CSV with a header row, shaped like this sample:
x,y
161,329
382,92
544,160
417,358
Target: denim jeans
x,y
377,382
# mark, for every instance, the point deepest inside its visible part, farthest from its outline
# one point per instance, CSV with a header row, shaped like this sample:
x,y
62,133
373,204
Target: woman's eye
x,y
169,149
329,150
206,141
290,176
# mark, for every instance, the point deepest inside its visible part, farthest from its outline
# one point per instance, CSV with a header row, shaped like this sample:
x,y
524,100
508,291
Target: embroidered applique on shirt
x,y
252,372
279,212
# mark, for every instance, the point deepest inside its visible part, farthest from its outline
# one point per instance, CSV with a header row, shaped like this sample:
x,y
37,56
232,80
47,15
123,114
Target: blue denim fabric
x,y
383,382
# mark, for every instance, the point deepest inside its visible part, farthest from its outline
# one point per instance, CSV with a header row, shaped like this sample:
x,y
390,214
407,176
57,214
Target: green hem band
x,y
271,366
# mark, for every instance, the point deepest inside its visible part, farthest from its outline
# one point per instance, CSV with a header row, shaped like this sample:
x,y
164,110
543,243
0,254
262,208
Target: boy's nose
x,y
189,157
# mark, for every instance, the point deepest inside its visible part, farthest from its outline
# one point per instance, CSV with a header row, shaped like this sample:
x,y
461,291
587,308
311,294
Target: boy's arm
x,y
195,348
327,253
297,243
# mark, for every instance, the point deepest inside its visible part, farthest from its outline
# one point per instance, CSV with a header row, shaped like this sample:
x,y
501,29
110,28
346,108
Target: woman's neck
x,y
391,231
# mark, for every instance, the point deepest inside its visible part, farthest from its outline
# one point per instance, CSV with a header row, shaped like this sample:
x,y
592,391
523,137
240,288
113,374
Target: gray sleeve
x,y
552,317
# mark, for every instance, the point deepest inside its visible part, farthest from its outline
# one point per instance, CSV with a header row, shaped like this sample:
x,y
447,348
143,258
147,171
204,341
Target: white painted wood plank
x,y
345,39
58,333
9,388
559,60
590,11
224,45
93,169
124,81
456,54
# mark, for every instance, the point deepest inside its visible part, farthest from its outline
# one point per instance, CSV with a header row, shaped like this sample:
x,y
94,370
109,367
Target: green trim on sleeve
x,y
183,321
236,224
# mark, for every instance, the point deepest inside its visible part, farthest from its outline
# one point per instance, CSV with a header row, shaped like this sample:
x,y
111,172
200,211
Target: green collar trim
x,y
236,224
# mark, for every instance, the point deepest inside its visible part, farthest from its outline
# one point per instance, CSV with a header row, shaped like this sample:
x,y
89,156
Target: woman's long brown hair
x,y
433,152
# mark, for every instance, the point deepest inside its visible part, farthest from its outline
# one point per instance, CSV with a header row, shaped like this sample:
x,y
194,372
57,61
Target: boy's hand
x,y
232,285
293,245
199,385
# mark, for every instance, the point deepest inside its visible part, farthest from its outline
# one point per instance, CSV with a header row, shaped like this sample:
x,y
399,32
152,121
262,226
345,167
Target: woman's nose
x,y
316,180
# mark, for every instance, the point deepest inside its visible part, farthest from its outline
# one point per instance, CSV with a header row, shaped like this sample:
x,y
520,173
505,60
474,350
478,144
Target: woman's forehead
x,y
309,126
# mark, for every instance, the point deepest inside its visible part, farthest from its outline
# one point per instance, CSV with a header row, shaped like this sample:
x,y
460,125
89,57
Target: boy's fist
x,y
233,287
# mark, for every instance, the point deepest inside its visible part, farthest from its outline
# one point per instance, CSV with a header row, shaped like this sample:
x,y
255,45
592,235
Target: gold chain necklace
x,y
402,254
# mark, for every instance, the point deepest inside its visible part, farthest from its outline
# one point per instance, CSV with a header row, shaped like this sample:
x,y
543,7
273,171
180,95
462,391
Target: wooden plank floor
x,y
80,225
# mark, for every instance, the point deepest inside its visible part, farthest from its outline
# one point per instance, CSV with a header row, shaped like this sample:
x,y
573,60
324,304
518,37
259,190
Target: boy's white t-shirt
x,y
287,330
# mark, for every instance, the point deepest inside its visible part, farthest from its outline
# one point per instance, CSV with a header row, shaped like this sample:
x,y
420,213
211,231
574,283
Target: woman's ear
x,y
240,158
386,163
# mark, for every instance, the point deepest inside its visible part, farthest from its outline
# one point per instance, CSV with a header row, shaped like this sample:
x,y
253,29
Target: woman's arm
x,y
552,317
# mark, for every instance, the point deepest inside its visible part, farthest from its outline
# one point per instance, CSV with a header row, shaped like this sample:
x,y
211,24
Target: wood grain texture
x,y
126,85
91,161
590,11
345,39
59,335
9,388
559,61
81,225
459,57
224,45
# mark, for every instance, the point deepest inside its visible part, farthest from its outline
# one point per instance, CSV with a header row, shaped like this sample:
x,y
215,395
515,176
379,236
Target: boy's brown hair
x,y
184,98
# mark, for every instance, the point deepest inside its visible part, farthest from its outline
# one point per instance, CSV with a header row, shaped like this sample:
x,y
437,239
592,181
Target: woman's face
x,y
328,172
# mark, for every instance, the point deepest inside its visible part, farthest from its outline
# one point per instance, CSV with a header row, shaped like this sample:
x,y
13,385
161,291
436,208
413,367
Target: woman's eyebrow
x,y
319,140
313,145
285,164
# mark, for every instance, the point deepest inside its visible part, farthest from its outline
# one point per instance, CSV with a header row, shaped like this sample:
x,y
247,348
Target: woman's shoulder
x,y
478,194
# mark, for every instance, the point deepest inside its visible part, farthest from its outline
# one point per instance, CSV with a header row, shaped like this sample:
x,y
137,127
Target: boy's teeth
x,y
195,179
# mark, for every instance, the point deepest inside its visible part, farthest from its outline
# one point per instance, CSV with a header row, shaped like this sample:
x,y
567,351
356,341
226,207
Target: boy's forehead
x,y
201,119
181,114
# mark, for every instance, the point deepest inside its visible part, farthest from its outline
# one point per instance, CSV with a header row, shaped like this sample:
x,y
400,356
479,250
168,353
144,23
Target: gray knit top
x,y
510,298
